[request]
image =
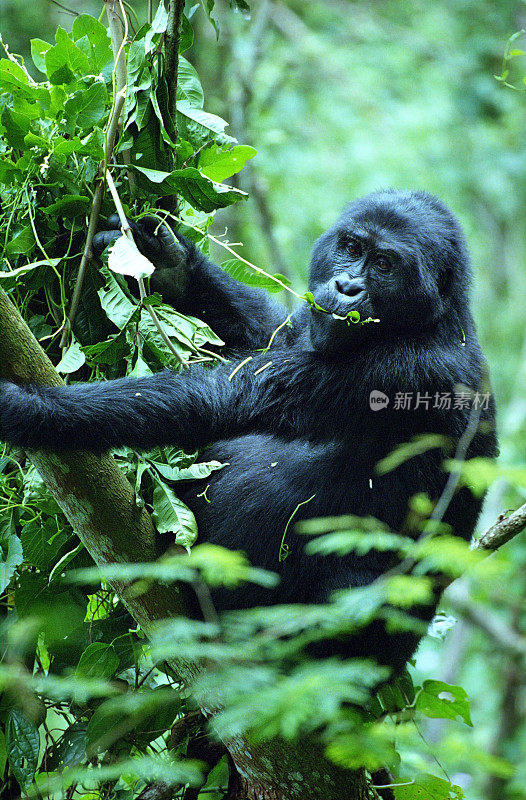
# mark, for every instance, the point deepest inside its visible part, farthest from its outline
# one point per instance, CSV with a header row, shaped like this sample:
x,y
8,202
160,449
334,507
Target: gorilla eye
x,y
384,265
354,247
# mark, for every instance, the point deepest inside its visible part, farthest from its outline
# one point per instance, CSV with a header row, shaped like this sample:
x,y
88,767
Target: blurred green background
x,y
341,98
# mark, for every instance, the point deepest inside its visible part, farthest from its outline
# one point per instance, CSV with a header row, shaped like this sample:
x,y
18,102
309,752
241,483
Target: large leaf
x,y
219,164
99,660
200,192
23,746
246,274
11,557
440,700
65,60
198,126
189,87
171,515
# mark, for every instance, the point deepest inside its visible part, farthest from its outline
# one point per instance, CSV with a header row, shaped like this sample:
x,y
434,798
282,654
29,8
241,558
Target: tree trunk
x,y
100,505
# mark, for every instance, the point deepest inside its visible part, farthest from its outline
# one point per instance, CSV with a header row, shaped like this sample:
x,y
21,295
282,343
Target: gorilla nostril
x,y
349,286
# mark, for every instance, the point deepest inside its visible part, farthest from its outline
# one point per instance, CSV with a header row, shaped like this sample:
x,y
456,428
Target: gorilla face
x,y
396,257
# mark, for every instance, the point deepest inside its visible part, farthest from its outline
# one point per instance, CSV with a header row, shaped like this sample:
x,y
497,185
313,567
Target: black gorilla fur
x,y
302,426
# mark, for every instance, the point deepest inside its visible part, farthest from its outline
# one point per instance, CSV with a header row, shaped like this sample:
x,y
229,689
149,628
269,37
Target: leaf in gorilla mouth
x,y
125,258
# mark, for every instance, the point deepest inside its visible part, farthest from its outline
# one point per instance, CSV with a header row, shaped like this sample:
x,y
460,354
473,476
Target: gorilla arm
x,y
188,410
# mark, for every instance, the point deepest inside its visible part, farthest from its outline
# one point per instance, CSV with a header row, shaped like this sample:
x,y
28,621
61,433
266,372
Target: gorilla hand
x,y
169,253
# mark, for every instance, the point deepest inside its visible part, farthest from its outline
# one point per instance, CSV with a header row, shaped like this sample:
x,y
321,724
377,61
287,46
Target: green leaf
x,y
41,542
171,515
16,127
197,125
69,206
218,164
65,60
39,49
187,34
99,660
92,37
193,473
440,700
22,242
114,301
11,556
72,360
87,106
428,787
188,84
208,6
197,190
245,274
71,748
23,745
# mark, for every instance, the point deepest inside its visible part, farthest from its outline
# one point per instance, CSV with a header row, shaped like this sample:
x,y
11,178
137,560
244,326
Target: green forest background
x,y
342,98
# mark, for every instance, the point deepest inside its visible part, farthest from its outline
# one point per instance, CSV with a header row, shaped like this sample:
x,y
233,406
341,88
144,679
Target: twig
x,y
502,531
92,225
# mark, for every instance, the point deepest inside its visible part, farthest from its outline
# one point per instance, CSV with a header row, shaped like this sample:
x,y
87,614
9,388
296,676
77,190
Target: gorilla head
x,y
396,257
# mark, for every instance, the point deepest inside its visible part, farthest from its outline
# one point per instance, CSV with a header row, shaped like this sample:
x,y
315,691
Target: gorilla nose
x,y
349,286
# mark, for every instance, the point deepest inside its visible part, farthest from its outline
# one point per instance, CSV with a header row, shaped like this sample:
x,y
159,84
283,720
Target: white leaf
x,y
124,257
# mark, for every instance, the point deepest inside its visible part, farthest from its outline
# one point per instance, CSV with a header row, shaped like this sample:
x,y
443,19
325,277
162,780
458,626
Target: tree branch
x,y
93,493
502,531
171,69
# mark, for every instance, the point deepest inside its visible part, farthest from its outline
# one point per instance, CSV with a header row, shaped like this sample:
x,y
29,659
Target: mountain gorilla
x,y
295,422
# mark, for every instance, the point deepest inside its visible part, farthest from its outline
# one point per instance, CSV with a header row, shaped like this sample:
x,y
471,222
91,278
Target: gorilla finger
x,y
104,239
114,222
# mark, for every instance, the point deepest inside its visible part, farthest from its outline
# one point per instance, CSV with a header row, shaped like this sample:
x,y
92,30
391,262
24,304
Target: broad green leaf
x,y
114,301
218,164
41,541
92,37
208,6
12,73
23,746
112,350
245,274
197,190
99,660
11,557
69,206
198,125
187,35
428,787
22,242
87,106
188,84
39,49
440,700
171,515
72,360
14,275
65,60
16,127
71,747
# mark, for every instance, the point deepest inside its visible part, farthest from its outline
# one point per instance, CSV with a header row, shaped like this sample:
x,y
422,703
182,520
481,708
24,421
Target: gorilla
x,y
297,422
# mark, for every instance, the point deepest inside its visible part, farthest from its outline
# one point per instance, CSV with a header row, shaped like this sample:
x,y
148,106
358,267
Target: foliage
x,y
88,704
